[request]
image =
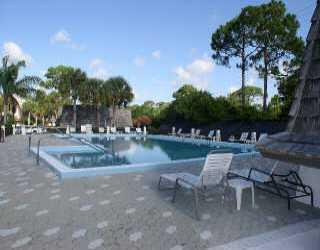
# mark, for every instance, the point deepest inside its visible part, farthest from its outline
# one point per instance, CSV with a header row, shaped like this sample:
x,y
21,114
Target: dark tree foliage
x,y
252,93
234,40
90,93
10,85
67,81
275,38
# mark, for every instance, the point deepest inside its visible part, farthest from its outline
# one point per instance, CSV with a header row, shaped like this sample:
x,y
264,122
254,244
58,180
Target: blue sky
x,y
156,45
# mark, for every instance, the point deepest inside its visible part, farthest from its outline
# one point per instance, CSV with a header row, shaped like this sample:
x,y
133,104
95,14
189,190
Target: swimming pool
x,y
123,153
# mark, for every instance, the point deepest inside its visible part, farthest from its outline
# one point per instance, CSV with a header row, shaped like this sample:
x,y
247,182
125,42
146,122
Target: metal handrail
x,y
29,144
38,152
84,141
81,140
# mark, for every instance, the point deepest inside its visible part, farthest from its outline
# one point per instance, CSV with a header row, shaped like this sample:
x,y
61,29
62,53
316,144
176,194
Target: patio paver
x,y
125,211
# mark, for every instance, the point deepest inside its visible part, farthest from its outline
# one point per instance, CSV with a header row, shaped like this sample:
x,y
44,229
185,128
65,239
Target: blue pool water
x,y
126,151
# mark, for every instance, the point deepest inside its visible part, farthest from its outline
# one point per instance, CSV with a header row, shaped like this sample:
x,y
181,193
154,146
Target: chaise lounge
x,y
213,174
286,185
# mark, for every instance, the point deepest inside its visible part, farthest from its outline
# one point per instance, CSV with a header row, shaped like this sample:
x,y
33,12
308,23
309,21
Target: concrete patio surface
x,y
124,211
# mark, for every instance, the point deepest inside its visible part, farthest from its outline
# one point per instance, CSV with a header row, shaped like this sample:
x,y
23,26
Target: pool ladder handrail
x,y
84,141
96,147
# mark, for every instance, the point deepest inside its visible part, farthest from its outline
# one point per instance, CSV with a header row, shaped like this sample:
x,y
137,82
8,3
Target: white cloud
x,y
15,53
139,61
62,36
156,54
233,89
101,73
196,73
97,65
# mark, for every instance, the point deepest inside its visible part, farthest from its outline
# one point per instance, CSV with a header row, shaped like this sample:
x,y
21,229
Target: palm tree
x,y
1,105
10,85
115,93
90,93
54,103
77,78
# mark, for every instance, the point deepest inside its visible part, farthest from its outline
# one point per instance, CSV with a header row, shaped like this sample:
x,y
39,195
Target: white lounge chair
x,y
83,129
29,130
72,129
127,130
218,135
192,133
210,135
197,133
144,130
213,173
173,131
253,138
231,138
243,138
88,128
67,129
138,131
113,130
101,130
179,132
262,135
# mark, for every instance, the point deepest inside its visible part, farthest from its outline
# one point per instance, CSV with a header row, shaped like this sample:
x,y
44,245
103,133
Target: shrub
x,y
142,121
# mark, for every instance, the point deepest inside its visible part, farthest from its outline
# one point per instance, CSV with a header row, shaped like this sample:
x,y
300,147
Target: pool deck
x,y
126,211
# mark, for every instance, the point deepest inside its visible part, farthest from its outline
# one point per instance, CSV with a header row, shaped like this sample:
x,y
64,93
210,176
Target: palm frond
x,y
29,81
27,84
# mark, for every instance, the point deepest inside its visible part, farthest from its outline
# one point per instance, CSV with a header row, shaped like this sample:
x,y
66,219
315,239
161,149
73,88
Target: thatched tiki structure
x,y
300,143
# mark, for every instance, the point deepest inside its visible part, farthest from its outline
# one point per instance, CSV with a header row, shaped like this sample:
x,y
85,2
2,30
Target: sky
x,y
156,45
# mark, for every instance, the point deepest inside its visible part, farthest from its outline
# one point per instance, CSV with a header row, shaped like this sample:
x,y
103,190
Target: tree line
x,y
200,107
263,37
63,85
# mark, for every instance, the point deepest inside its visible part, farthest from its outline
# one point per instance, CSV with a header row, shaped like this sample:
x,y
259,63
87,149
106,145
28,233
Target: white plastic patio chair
x,y
197,133
218,135
101,130
243,137
113,130
210,135
214,173
144,130
253,138
127,130
138,131
72,129
83,128
88,128
173,131
262,135
179,132
191,135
